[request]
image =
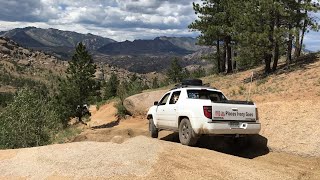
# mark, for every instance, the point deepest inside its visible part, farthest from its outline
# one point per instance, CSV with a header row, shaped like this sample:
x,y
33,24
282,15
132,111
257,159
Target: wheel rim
x,y
185,131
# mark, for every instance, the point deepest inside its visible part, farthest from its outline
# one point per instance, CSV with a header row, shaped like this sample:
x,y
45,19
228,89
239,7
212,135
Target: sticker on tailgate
x,y
234,114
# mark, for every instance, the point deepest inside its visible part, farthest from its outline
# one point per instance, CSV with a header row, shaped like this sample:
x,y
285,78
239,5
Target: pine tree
x,y
79,86
257,30
215,22
111,87
81,72
175,73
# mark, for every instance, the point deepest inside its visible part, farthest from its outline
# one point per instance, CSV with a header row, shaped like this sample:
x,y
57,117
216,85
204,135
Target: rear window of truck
x,y
214,96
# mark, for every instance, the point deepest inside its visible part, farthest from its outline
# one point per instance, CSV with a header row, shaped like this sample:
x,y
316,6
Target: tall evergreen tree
x,y
215,22
111,86
304,21
256,29
175,73
81,72
79,85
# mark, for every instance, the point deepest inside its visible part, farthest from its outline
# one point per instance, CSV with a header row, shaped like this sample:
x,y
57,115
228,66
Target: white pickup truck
x,y
194,110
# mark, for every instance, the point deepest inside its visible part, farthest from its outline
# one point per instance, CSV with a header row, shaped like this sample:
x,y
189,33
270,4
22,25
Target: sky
x,y
116,19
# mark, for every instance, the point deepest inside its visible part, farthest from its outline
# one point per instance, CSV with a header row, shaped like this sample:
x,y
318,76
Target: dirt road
x,y
144,158
129,155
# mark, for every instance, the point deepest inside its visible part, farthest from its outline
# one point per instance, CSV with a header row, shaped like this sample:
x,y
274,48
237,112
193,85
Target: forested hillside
x,y
251,32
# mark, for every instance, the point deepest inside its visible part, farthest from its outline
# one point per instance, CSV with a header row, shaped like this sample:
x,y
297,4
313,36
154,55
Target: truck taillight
x,y
257,114
207,111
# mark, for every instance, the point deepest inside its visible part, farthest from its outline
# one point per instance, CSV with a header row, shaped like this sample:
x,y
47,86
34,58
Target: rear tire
x,y
186,134
153,129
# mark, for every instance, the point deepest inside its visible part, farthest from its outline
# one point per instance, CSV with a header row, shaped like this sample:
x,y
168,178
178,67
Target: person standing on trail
x,y
81,111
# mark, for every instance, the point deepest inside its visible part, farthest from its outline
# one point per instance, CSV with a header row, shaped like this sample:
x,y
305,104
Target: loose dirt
x,y
144,158
83,160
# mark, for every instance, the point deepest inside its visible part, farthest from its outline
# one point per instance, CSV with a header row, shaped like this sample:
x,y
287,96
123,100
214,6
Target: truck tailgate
x,y
233,112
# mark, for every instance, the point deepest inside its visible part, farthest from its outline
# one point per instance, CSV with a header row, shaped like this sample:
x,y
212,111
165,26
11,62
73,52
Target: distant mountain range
x,y
187,43
143,47
53,40
140,56
62,43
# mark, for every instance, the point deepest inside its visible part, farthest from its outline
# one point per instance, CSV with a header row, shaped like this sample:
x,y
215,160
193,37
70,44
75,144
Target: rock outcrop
x,y
140,103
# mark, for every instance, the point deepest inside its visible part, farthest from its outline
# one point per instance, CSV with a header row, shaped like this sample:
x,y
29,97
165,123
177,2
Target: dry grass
x,y
66,135
300,82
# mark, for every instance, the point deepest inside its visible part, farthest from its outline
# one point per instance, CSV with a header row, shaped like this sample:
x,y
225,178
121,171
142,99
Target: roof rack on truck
x,y
191,83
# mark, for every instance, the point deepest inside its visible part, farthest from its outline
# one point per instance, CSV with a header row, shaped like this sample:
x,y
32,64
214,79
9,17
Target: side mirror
x,y
156,103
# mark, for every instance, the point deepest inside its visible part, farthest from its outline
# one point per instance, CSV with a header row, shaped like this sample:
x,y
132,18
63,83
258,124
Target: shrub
x,y
5,98
66,100
242,90
198,73
122,111
29,120
66,135
155,83
8,79
110,89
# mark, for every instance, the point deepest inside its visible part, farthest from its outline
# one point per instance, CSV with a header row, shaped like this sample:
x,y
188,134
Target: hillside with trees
x,y
249,32
39,94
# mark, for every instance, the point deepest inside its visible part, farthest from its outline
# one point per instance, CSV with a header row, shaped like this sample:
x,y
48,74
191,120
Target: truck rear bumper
x,y
228,128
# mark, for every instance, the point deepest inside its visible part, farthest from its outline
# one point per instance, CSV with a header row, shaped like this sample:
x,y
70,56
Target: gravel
x,y
292,127
134,157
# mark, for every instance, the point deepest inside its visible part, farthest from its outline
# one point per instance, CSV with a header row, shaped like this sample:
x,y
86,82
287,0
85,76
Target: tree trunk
x,y
289,50
223,64
268,53
235,65
276,56
267,60
218,57
297,42
276,46
229,54
304,28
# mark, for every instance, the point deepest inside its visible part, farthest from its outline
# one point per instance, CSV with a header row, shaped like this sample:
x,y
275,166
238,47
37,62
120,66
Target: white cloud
x,y
117,19
127,17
